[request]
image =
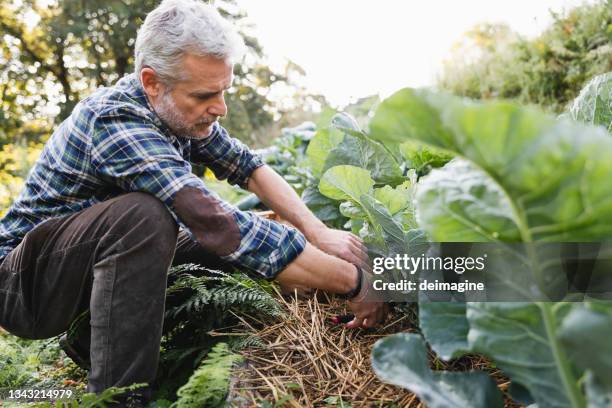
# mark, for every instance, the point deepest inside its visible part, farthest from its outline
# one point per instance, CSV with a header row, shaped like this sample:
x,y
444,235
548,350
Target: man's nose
x,y
218,106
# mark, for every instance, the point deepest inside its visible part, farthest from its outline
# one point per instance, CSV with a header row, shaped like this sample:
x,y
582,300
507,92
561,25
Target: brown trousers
x,y
111,258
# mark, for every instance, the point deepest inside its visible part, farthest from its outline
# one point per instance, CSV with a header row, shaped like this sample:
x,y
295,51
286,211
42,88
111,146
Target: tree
x,y
55,54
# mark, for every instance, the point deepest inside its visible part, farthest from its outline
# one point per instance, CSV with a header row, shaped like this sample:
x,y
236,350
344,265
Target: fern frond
x,y
220,290
208,385
243,342
185,268
106,397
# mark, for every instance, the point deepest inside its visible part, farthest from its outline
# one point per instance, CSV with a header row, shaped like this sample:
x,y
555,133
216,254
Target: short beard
x,y
175,120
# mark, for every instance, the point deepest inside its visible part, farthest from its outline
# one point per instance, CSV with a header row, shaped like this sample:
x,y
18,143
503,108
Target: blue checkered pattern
x,y
114,143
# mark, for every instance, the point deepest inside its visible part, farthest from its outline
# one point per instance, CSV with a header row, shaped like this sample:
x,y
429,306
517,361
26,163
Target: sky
x,y
354,48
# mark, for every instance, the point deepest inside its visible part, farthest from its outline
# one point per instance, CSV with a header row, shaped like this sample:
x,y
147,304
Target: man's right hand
x,y
315,269
369,311
367,314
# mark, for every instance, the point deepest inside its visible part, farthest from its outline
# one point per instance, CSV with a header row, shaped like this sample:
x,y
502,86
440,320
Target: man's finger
x,y
355,236
355,323
357,241
360,254
360,248
349,256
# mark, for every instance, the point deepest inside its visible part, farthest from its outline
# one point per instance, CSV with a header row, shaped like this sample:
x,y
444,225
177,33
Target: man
x,y
96,225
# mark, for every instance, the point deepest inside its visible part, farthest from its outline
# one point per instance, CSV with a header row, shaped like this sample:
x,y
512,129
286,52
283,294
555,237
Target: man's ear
x,y
150,82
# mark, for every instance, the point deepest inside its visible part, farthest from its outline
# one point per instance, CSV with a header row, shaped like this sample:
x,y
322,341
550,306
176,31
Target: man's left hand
x,y
342,244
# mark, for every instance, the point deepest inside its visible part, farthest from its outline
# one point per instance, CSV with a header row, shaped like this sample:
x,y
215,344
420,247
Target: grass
x,y
40,363
36,364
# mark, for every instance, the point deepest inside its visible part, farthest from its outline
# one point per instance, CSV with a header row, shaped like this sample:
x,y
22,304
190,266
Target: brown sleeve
x,y
214,227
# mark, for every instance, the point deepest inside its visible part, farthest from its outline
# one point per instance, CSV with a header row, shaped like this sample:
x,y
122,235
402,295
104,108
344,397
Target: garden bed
x,y
306,361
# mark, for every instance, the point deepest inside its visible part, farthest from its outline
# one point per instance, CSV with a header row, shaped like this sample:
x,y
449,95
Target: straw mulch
x,y
307,360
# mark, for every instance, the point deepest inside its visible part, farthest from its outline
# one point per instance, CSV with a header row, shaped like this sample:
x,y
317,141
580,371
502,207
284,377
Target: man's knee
x,y
147,211
141,220
141,203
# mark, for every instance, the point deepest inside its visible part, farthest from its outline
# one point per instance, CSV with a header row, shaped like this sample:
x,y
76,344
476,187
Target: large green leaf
x,y
346,183
496,333
323,207
586,333
520,338
445,327
403,115
594,104
361,152
530,178
555,173
320,146
461,203
401,359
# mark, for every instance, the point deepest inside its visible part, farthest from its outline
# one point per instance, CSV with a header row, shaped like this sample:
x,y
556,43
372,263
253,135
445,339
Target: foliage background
x,y
53,53
492,61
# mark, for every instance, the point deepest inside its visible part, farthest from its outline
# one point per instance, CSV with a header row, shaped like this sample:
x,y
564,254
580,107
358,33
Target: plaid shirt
x,y
114,143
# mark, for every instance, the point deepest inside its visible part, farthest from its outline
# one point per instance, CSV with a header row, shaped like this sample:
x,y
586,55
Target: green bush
x,y
492,61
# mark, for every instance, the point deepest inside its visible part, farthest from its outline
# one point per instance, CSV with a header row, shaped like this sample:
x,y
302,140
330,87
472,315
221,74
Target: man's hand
x,y
342,244
314,268
369,311
367,314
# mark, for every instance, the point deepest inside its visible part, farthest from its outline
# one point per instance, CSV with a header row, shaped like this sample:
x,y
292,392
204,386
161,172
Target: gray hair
x,y
177,27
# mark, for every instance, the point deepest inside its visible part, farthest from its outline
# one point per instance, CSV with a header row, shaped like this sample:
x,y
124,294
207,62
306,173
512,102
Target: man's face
x,y
192,105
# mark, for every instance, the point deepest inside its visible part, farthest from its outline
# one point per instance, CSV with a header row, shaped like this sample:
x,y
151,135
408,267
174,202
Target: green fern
x,y
199,301
221,290
243,342
208,386
106,397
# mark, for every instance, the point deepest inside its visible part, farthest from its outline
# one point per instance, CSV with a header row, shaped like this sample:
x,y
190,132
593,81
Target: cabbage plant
x,y
518,175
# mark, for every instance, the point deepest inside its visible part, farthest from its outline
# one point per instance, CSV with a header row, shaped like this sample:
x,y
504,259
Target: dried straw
x,y
308,359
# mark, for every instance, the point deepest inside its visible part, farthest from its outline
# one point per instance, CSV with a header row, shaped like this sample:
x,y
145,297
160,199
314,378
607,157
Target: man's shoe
x,y
76,353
